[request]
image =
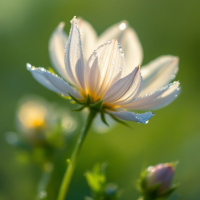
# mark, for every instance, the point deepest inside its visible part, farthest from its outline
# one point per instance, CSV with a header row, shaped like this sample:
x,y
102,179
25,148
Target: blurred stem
x,y
41,193
72,162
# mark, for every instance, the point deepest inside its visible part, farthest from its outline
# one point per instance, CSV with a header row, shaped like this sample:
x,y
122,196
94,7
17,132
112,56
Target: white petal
x,y
52,81
158,73
74,61
57,43
125,90
104,67
88,37
129,41
130,116
157,99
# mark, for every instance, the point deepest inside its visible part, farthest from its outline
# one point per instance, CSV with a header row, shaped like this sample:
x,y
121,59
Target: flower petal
x,y
52,81
104,67
158,73
74,61
57,43
129,41
157,99
130,116
88,37
125,90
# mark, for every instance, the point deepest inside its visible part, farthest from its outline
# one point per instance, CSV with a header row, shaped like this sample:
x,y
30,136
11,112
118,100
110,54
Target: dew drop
x,y
173,77
109,41
122,26
147,122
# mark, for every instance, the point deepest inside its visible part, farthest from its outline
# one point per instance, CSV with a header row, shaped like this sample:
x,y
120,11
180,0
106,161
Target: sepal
x,y
75,99
103,118
97,106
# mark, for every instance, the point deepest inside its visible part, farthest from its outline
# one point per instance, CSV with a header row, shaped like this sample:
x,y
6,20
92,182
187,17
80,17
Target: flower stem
x,y
72,162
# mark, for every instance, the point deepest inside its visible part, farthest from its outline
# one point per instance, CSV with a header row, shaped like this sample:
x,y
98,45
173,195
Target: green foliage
x,y
101,190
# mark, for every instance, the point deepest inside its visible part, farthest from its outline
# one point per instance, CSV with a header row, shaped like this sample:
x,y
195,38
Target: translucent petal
x,y
157,99
158,73
129,41
52,81
130,116
57,43
104,67
74,61
88,37
125,90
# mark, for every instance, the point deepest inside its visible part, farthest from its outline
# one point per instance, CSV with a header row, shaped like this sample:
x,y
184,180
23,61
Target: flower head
x,y
103,81
40,122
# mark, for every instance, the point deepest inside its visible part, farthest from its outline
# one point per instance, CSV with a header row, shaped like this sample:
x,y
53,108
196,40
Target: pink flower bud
x,y
160,175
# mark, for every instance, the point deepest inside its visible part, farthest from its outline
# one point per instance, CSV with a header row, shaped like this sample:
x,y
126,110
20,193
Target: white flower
x,y
104,76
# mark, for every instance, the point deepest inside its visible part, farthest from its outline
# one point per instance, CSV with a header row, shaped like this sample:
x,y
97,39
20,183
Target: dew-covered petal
x,y
158,73
57,43
74,61
104,67
52,81
88,37
129,41
157,99
125,90
130,116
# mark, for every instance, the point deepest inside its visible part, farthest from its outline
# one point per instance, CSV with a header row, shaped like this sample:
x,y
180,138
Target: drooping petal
x,y
130,116
104,67
74,61
88,37
158,73
125,90
129,41
157,99
52,81
57,43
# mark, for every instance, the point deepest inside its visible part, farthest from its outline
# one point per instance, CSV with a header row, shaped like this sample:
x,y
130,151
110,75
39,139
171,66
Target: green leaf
x,y
120,121
96,178
97,105
103,118
76,100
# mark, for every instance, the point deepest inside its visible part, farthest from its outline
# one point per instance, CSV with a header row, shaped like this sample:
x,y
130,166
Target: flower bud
x,y
156,181
160,175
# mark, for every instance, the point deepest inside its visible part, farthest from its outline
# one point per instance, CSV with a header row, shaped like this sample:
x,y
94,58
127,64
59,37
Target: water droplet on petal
x,y
122,26
109,41
147,122
173,77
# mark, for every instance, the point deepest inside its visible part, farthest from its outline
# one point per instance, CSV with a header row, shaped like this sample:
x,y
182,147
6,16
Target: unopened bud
x,y
156,181
160,175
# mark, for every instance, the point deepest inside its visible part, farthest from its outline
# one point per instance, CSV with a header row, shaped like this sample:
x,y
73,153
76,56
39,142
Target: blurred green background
x,y
173,134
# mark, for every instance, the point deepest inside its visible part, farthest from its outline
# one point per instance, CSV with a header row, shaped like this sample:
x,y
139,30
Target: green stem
x,y
72,162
